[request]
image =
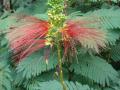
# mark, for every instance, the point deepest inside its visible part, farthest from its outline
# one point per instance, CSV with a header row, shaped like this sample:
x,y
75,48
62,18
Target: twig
x,y
65,7
6,4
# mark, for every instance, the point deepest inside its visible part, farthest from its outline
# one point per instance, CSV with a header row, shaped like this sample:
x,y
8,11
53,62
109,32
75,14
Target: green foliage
x,y
95,68
7,23
108,18
55,85
5,71
5,75
30,7
115,52
35,64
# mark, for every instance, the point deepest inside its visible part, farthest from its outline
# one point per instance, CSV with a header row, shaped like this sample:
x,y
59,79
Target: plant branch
x,y
65,7
6,4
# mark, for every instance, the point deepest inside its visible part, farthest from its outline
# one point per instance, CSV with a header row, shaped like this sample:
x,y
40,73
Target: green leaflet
x,y
96,69
32,8
113,35
35,64
55,85
115,52
108,18
5,71
5,75
7,23
45,76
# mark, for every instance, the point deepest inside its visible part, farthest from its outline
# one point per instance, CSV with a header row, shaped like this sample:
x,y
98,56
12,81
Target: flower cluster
x,y
36,34
55,13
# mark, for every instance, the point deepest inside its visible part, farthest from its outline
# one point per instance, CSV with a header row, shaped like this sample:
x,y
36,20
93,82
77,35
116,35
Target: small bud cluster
x,y
55,13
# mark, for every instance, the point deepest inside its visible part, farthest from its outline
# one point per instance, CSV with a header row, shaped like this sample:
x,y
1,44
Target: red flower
x,y
77,31
28,38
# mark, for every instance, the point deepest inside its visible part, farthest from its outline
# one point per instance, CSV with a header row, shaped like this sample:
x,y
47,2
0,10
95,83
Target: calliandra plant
x,y
59,32
64,35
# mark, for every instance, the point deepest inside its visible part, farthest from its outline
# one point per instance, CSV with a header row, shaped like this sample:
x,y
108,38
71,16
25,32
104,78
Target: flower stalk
x,y
60,67
57,19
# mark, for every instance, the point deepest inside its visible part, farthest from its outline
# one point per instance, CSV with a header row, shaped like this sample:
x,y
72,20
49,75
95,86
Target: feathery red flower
x,y
80,32
28,38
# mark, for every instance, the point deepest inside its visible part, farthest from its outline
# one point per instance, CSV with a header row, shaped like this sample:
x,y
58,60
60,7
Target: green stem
x,y
60,67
